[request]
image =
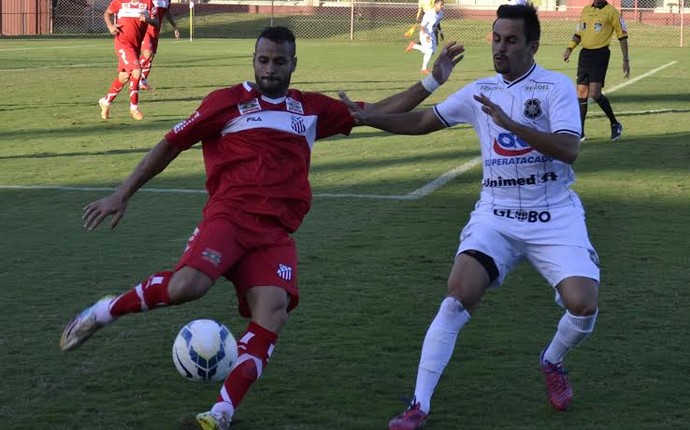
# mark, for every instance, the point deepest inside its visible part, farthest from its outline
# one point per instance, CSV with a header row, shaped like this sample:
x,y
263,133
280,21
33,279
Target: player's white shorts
x,y
428,42
554,241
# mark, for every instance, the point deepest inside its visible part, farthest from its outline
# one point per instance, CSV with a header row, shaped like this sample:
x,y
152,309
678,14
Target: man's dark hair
x,y
278,35
526,12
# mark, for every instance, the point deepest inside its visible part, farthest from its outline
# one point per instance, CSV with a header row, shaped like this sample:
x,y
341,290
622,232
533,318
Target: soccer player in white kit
x,y
528,126
427,35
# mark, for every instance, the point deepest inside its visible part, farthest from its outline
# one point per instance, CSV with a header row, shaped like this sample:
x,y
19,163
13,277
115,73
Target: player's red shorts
x,y
127,58
246,249
150,42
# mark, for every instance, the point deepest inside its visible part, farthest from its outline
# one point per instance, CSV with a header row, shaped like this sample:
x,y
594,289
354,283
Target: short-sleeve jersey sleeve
x,y
563,109
333,115
619,24
206,122
115,6
458,108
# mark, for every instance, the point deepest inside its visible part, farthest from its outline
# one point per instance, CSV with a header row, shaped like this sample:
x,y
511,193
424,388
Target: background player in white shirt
x,y
427,34
528,126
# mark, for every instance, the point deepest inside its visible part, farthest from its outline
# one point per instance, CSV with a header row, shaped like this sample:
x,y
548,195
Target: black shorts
x,y
592,65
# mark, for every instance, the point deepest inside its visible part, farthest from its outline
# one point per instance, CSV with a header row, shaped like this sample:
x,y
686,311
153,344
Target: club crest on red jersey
x,y
297,124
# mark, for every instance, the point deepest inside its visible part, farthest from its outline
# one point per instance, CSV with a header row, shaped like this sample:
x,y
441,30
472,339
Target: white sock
x,y
224,408
133,107
426,59
437,349
102,311
572,330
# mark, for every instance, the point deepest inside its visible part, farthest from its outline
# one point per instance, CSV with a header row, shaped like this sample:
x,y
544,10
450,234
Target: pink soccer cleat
x,y
558,388
413,418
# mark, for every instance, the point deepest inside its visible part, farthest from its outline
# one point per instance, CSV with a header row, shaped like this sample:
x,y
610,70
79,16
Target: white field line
x,y
48,47
64,66
414,195
632,81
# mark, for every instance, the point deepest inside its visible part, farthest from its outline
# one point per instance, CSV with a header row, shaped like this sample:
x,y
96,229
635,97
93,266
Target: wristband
x,y
430,83
572,45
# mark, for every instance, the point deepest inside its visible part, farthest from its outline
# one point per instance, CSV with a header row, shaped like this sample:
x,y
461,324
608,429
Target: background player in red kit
x,y
132,18
256,139
150,44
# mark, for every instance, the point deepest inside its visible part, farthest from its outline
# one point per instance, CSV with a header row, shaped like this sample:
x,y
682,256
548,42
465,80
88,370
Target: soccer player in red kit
x,y
257,139
150,44
132,18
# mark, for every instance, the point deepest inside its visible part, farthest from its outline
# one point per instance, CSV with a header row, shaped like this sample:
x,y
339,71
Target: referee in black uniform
x,y
598,22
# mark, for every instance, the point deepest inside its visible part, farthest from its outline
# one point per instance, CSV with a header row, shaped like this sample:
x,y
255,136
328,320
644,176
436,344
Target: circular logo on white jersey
x,y
532,109
509,145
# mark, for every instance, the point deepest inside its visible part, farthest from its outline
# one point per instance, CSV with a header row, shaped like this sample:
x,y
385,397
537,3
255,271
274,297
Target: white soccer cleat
x,y
82,327
105,109
212,421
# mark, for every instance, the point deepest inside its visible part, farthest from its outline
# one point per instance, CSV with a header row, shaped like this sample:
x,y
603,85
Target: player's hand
x,y
494,111
566,54
450,55
94,213
115,29
626,69
177,33
356,110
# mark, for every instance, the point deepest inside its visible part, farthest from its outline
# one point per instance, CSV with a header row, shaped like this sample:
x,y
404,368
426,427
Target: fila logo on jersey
x,y
509,145
533,109
284,272
523,215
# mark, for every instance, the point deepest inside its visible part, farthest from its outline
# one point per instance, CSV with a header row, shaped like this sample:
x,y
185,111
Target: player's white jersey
x,y
515,174
430,21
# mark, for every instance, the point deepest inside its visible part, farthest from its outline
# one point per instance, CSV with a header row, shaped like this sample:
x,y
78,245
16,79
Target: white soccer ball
x,y
204,350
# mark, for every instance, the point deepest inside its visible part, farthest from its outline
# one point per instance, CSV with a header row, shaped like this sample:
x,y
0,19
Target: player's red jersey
x,y
128,16
162,7
257,150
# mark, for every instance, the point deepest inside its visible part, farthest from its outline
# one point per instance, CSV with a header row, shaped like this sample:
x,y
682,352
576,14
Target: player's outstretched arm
x,y
417,122
154,162
450,55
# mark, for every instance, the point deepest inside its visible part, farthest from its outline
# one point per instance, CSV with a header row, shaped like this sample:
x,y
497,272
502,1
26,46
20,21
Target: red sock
x,y
255,348
114,90
149,294
145,67
133,91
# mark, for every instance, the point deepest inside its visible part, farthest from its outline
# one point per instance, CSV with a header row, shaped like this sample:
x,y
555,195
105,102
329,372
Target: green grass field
x,y
372,271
